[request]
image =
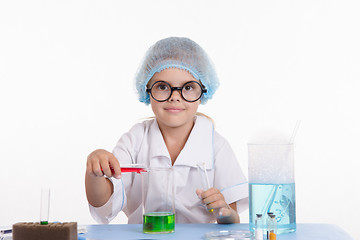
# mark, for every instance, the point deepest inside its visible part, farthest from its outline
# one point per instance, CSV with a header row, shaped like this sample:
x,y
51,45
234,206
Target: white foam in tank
x,y
271,163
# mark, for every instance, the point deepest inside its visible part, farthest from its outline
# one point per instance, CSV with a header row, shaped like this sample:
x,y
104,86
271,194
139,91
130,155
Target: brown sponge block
x,y
36,231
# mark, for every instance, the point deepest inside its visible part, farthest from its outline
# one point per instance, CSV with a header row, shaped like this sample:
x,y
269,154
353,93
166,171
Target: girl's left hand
x,y
214,199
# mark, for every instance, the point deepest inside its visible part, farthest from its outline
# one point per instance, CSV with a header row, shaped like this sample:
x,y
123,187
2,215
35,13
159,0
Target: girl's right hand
x,y
101,162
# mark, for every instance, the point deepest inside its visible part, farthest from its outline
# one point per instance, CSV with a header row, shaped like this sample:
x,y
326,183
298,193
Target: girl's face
x,y
175,112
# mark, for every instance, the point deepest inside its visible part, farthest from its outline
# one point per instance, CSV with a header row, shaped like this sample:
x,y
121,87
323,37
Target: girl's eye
x,y
162,87
192,86
188,88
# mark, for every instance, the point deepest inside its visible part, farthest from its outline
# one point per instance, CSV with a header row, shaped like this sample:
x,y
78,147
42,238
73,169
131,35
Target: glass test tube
x,y
45,205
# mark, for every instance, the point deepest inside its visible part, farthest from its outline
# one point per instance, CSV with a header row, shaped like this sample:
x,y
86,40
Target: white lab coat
x,y
144,144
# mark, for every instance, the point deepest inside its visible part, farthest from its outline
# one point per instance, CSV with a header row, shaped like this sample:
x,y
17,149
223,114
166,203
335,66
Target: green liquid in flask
x,y
159,222
43,222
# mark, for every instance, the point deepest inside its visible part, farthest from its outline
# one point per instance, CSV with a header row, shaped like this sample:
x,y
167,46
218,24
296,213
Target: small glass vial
x,y
268,220
259,227
272,227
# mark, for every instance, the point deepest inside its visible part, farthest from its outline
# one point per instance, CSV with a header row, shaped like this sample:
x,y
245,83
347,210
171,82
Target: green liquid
x,y
43,222
159,222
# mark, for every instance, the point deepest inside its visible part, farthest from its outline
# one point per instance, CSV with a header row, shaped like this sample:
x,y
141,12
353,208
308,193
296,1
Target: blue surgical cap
x,y
181,53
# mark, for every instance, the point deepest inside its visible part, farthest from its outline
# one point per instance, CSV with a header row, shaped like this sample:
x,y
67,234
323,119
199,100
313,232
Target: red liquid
x,y
137,170
128,169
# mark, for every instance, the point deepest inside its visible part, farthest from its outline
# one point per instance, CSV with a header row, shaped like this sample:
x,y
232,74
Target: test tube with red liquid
x,y
137,168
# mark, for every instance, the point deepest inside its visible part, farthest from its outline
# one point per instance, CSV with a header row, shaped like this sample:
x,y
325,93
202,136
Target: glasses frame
x,y
180,89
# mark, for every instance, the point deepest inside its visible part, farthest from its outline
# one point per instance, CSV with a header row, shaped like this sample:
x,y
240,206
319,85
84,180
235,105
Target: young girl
x,y
175,77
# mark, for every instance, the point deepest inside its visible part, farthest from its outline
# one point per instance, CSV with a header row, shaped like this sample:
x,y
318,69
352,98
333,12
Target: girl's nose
x,y
175,96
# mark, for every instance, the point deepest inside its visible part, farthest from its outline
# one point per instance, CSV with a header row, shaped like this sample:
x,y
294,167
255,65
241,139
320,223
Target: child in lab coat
x,y
175,77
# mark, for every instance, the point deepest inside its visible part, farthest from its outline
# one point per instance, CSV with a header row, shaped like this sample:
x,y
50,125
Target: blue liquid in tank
x,y
276,198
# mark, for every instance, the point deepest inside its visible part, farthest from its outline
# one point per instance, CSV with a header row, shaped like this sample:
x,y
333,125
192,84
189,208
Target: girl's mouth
x,y
174,110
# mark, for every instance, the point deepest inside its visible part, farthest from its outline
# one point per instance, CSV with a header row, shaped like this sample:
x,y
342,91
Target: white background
x,y
67,69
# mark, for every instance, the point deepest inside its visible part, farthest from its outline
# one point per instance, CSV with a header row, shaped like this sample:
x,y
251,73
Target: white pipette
x,y
294,131
202,166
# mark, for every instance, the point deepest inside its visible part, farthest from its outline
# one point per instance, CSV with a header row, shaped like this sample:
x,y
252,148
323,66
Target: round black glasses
x,y
191,91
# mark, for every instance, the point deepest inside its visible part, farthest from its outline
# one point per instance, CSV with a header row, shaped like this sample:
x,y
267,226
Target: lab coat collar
x,y
199,146
197,150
